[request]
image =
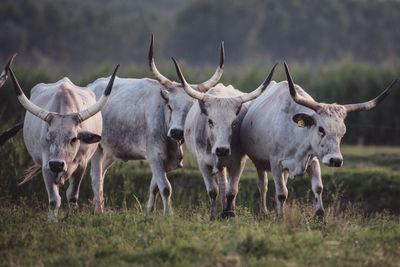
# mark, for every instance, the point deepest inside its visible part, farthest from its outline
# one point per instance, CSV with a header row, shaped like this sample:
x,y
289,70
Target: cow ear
x,y
164,94
50,118
88,137
238,110
303,120
203,107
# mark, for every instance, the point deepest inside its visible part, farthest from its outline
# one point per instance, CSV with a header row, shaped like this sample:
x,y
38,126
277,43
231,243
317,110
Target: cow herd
x,y
278,126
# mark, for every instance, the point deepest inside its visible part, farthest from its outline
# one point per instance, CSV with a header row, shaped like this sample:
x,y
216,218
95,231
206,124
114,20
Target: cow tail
x,y
10,133
34,170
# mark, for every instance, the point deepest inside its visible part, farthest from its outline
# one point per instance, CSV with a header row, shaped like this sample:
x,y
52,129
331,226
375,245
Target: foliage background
x,y
87,33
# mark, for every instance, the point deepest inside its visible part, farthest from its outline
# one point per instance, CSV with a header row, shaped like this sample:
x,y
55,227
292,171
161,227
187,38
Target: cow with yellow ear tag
x,y
287,132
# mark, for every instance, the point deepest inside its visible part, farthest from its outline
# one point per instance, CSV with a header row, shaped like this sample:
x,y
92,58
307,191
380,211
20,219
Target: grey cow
x,y
288,132
212,136
61,129
144,120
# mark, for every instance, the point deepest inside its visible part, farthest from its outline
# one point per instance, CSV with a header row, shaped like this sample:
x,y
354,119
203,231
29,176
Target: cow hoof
x,y
228,214
320,215
98,211
263,215
73,209
53,215
150,211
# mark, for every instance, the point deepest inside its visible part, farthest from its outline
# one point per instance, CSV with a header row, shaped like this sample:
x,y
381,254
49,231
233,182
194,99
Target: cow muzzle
x,y
176,134
56,166
333,161
222,151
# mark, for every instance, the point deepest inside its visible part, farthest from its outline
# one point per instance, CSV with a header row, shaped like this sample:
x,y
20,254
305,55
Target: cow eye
x,y
322,131
73,140
211,123
49,137
169,107
234,123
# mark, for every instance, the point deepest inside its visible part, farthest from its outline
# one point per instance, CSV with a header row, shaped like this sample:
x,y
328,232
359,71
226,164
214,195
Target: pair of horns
x,y
244,98
44,114
309,103
203,87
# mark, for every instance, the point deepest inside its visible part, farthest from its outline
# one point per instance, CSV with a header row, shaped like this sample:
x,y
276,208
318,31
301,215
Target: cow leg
x,y
262,185
73,188
222,181
108,160
100,163
212,188
160,177
96,175
314,172
235,171
281,192
151,205
53,194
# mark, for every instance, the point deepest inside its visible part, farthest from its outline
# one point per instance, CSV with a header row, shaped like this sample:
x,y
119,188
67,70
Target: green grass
x,y
128,237
362,226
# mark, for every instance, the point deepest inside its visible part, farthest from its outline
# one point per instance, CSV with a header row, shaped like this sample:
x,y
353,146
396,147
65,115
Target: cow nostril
x,y
56,166
177,134
222,151
335,162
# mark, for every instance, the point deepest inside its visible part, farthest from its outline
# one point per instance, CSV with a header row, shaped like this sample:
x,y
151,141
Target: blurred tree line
x,y
343,51
87,33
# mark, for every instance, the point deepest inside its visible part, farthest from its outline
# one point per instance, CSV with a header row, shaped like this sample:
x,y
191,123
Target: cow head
x,y
221,113
177,101
326,125
63,136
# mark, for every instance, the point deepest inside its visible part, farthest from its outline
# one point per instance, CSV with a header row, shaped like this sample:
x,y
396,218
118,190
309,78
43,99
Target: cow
x,y
61,130
144,120
212,136
287,132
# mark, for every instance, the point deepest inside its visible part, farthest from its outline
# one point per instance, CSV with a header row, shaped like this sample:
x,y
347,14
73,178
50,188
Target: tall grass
x,y
129,238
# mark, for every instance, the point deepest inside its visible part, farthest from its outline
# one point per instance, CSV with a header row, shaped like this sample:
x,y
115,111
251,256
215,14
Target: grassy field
x,y
362,226
128,237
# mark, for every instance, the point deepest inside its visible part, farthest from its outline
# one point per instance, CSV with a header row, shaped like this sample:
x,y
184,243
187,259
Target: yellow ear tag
x,y
300,123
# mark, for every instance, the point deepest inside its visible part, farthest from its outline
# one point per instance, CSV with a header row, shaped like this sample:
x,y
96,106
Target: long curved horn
x,y
372,103
10,133
4,74
153,69
92,110
188,89
260,89
296,97
28,105
203,87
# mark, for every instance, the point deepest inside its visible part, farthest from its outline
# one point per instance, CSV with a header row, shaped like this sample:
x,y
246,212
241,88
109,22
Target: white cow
x,y
212,136
61,129
144,120
288,133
